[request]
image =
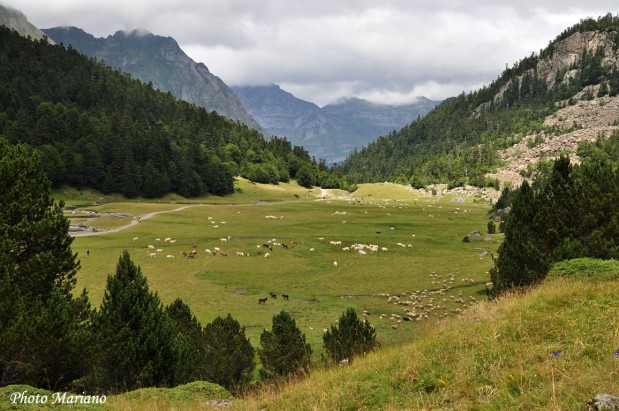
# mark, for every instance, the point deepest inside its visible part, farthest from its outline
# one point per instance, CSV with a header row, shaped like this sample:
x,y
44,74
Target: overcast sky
x,y
388,51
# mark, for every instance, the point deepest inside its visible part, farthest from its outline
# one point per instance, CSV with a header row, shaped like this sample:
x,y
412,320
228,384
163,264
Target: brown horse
x,y
262,300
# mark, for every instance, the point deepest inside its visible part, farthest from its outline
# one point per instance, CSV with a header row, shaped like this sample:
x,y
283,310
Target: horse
x,y
285,297
273,295
262,300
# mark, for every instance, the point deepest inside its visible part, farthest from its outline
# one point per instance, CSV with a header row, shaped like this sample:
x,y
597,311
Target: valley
x,y
421,262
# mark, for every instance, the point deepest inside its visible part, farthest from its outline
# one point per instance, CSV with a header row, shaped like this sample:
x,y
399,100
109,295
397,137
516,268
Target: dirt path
x,y
133,222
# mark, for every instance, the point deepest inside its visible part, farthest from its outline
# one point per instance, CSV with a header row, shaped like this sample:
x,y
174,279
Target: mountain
x,y
17,21
542,106
330,132
160,61
94,126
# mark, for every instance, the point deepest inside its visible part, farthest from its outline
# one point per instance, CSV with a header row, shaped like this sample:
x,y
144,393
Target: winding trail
x,y
134,221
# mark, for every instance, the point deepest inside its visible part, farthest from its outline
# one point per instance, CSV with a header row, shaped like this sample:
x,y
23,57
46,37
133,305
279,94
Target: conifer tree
x,y
284,350
519,262
134,335
351,337
42,325
229,354
188,343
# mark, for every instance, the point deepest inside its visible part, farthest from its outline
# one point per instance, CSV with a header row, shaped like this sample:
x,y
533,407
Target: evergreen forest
x,y
94,126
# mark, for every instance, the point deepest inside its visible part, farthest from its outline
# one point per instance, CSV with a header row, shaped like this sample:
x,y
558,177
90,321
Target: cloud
x,y
324,49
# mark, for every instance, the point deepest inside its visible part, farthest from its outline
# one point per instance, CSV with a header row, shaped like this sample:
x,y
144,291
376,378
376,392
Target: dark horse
x,y
262,300
285,297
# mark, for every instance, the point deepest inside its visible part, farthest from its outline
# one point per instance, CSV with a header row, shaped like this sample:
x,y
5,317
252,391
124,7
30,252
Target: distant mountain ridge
x,y
330,132
160,61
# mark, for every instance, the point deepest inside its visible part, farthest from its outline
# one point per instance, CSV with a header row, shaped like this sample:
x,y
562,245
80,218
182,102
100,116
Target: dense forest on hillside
x,y
457,142
96,126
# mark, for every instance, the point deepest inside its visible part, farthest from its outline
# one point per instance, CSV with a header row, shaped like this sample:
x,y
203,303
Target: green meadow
x,y
422,237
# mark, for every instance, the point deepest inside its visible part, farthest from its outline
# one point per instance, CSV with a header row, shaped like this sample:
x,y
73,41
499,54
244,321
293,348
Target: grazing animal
x,y
172,241
267,245
136,239
273,295
267,255
262,300
207,251
184,253
157,239
150,246
169,256
335,264
240,254
159,250
152,255
285,297
191,256
223,254
165,240
285,246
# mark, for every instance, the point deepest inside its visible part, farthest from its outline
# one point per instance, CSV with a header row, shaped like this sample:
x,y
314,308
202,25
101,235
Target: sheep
x,y
151,247
240,254
169,256
207,251
223,240
152,255
136,239
312,249
267,255
361,252
335,264
335,243
165,240
172,241
157,239
159,250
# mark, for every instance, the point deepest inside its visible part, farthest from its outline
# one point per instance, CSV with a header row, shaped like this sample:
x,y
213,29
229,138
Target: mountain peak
x,y
160,61
16,20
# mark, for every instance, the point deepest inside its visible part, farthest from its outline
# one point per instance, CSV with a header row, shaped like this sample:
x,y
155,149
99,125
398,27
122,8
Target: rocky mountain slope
x,y
585,118
17,21
330,132
160,61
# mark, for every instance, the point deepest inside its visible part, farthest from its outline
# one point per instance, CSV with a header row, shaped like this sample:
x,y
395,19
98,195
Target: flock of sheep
x,y
440,301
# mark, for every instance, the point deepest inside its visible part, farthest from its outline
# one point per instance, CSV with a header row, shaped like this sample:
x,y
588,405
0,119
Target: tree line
x,y
94,126
50,337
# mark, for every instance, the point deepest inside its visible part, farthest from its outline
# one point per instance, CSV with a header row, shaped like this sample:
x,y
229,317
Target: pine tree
x,y
41,258
284,349
42,325
520,261
134,335
188,343
229,354
351,337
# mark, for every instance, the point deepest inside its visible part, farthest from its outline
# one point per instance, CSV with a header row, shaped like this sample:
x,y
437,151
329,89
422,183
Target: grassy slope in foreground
x,y
554,347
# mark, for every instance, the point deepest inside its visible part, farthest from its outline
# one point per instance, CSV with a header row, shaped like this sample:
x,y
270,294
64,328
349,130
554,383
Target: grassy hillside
x,y
552,348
